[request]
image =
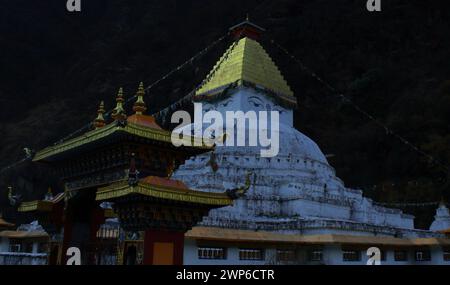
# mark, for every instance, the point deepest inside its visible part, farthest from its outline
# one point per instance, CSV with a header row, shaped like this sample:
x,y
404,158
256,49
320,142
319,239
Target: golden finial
x,y
247,18
10,193
139,106
118,113
100,120
49,195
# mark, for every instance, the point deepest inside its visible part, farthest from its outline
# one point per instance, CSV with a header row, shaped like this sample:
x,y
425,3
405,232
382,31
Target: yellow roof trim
x,y
122,189
247,62
98,134
40,205
232,235
37,205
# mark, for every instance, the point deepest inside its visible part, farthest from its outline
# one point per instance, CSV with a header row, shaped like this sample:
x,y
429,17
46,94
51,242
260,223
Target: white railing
x,y
22,258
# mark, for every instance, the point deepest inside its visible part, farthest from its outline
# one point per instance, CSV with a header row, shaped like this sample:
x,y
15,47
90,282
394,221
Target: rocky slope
x,y
55,67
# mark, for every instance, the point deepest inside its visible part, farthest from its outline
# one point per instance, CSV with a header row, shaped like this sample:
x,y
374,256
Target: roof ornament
x,y
14,200
29,153
100,120
247,29
49,195
240,191
139,106
118,113
133,173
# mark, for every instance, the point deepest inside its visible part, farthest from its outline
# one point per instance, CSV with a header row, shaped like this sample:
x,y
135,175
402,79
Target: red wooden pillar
x,y
163,247
97,219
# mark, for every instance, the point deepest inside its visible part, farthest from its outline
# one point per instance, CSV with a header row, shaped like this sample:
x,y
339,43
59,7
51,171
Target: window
x,y
14,245
211,253
423,255
251,254
400,255
43,247
351,255
446,253
27,247
315,254
285,255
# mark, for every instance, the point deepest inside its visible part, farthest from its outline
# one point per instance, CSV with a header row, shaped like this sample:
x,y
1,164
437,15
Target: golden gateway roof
x,y
101,134
163,188
138,125
246,62
231,235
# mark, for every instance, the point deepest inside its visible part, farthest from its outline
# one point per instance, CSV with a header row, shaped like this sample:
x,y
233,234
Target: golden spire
x,y
139,106
10,192
49,195
118,113
442,202
243,63
100,120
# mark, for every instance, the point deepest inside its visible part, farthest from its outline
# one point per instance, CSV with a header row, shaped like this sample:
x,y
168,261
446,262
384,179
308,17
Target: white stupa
x,y
295,192
441,219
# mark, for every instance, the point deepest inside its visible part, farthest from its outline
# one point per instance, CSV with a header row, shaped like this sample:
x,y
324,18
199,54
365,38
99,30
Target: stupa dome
x,y
294,142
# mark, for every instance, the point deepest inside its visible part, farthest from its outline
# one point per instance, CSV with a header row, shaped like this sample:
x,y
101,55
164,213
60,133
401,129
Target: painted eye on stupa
x,y
256,102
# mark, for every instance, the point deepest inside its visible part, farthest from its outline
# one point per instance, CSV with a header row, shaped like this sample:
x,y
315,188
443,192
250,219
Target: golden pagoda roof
x,y
136,126
144,121
40,205
233,235
162,188
246,62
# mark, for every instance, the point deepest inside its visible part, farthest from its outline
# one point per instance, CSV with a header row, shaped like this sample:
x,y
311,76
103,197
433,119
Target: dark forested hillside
x,y
56,66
